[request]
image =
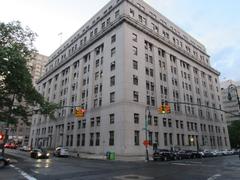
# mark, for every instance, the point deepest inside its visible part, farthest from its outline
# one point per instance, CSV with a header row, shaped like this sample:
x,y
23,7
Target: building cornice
x,y
139,26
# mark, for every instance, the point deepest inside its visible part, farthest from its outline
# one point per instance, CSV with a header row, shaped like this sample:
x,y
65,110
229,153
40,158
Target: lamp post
x,y
191,140
147,116
233,87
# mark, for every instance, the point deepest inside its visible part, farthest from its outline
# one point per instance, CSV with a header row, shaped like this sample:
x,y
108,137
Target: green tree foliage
x,y
234,134
17,93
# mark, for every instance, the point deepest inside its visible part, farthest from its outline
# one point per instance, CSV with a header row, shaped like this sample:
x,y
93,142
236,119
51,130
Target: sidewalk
x,y
103,157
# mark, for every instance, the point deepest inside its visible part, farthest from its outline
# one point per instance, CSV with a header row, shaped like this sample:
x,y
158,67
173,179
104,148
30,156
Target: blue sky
x,y
215,23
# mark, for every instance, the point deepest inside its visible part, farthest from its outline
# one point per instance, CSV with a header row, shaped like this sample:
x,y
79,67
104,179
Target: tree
x,y
17,93
234,134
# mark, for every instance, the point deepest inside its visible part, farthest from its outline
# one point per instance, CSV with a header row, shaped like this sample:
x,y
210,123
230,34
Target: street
x,y
23,167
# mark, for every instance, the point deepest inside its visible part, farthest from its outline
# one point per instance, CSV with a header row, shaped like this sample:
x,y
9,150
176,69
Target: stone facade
x,y
120,66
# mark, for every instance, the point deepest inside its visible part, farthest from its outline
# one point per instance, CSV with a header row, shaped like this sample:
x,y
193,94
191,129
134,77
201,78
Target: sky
x,y
215,23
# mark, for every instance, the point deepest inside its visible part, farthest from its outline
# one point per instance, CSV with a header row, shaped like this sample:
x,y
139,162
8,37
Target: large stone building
x,y
121,65
231,105
37,66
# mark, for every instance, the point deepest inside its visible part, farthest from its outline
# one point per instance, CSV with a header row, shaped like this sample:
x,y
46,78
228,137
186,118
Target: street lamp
x,y
191,140
231,88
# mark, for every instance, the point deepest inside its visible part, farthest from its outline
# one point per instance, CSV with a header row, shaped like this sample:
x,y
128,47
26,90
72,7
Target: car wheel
x,y
2,163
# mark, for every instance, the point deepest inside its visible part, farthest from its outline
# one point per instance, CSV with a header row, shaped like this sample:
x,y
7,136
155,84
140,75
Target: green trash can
x,y
108,155
112,156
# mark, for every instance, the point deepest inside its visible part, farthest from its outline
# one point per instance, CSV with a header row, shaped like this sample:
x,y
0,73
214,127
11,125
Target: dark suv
x,y
164,155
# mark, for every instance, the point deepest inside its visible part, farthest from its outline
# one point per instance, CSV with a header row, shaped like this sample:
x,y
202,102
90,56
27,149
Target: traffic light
x,y
168,108
1,136
164,108
79,112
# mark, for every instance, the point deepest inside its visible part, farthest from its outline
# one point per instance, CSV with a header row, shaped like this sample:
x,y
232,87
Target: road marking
x,y
214,177
181,164
27,176
195,162
132,176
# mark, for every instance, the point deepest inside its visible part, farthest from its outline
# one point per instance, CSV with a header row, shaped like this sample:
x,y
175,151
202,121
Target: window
x,y
150,137
103,25
98,121
170,139
83,123
111,118
136,118
135,65
92,122
134,37
112,66
117,14
108,21
169,123
135,52
165,139
178,139
113,38
135,80
91,139
111,138
83,140
155,121
135,96
136,138
156,137
113,51
78,140
131,13
97,143
151,72
164,122
112,97
96,76
112,81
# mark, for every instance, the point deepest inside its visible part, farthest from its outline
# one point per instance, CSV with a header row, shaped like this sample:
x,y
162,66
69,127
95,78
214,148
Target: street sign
x,y
146,143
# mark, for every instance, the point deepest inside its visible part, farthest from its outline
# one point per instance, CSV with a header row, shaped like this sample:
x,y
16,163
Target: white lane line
x,y
27,176
181,164
214,177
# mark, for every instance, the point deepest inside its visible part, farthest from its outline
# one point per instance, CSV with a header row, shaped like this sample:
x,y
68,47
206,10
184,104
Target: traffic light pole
x,y
200,105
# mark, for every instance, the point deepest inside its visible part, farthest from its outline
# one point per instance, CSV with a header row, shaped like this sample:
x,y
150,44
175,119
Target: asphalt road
x,y
23,167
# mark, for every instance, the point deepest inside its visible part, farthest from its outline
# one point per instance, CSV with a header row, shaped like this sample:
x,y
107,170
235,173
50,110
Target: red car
x,y
10,146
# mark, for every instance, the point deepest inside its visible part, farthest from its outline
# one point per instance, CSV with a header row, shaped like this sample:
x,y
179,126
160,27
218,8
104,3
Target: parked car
x,y
217,153
39,153
189,154
208,153
61,152
3,162
25,148
164,155
10,146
